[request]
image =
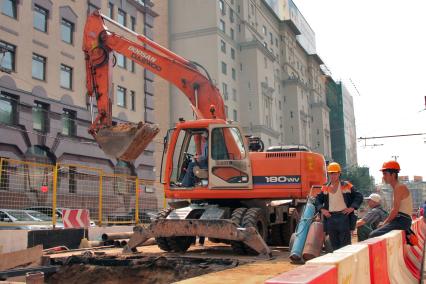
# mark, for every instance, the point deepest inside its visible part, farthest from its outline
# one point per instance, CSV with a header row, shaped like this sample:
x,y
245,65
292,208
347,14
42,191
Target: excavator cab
x,y
224,163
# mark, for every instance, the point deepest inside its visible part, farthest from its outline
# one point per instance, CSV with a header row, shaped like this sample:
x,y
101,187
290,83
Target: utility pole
x,y
395,157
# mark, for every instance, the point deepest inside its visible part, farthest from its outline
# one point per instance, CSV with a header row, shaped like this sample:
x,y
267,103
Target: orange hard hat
x,y
334,168
391,165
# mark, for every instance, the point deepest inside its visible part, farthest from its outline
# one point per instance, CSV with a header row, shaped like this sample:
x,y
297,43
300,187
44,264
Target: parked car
x,y
13,219
125,219
48,211
38,216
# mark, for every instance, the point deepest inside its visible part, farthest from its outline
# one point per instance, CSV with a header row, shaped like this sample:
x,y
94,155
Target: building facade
x,y
342,123
44,109
271,84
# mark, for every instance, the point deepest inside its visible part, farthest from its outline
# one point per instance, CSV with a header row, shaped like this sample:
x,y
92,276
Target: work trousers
x,y
400,222
338,229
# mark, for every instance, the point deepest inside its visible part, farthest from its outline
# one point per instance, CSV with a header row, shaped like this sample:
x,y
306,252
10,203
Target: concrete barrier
x,y
345,264
398,271
307,274
361,266
13,240
378,261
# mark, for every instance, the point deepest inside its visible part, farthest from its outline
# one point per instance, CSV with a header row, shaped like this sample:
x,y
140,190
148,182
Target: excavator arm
x,y
127,141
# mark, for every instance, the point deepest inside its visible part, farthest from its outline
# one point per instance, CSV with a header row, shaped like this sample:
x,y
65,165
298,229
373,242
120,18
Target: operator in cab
x,y
199,160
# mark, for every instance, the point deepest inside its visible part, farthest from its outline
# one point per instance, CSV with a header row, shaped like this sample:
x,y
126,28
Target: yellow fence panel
x,y
24,185
110,198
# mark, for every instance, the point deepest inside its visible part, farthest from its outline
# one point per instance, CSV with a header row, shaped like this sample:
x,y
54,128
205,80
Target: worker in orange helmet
x,y
337,202
400,215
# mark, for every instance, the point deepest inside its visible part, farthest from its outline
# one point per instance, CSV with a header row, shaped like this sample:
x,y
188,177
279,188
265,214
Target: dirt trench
x,y
161,269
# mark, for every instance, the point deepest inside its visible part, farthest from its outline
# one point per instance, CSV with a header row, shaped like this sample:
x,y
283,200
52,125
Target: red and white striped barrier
x,y
387,259
76,218
307,274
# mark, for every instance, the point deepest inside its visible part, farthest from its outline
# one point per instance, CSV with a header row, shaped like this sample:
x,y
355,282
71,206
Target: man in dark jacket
x,y
337,202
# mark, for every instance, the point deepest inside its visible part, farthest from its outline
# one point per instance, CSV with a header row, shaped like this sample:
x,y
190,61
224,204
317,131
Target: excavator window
x,y
227,144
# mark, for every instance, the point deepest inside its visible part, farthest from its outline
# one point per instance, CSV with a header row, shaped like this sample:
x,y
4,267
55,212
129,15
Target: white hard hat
x,y
375,197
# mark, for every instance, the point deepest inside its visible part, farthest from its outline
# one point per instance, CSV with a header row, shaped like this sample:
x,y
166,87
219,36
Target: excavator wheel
x,y
180,244
161,241
237,218
289,227
254,218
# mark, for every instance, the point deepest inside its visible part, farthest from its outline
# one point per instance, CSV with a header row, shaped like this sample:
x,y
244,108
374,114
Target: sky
x,y
380,46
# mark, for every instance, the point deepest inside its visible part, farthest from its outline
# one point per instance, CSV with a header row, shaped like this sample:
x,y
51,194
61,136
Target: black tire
x,y
290,226
237,218
254,218
180,244
162,242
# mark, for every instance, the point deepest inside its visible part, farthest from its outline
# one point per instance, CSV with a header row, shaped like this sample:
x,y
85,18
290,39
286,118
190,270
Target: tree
x,y
360,178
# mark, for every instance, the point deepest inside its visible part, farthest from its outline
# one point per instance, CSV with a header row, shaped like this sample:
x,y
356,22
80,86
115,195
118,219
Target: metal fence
x,y
110,198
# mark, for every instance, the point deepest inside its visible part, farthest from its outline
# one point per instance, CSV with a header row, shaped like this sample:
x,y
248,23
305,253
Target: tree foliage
x,y
360,178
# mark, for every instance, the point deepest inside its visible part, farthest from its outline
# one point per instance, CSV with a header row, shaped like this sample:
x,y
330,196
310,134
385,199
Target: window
x,y
40,112
234,74
223,46
264,30
234,95
8,108
222,7
226,111
291,114
222,25
68,122
67,31
121,60
232,53
7,56
66,77
40,18
121,17
224,68
235,115
111,10
231,15
39,67
132,66
121,96
133,23
9,8
225,91
271,38
232,33
132,100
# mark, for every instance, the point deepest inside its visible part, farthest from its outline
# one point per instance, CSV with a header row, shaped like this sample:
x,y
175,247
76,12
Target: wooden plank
x,y
17,258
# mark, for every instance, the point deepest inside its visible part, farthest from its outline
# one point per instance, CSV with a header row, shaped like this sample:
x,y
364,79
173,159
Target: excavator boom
x,y
128,141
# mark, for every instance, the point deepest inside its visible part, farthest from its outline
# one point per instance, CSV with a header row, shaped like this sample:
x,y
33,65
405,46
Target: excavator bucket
x,y
126,141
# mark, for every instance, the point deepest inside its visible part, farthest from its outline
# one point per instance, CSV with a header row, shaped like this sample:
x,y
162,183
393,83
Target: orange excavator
x,y
242,195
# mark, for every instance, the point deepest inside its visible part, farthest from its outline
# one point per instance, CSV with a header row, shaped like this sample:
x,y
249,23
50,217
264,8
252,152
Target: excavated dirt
x,y
161,269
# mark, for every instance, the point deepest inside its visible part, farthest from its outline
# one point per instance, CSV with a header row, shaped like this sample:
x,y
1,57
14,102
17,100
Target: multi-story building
x,y
44,110
268,73
342,123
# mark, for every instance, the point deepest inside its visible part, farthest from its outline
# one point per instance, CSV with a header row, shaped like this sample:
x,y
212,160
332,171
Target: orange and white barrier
x,y
387,259
307,274
361,265
345,263
377,260
398,271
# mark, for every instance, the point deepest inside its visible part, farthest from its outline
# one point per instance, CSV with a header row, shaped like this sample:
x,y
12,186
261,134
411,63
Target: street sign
x,y
76,218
